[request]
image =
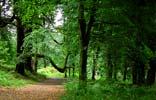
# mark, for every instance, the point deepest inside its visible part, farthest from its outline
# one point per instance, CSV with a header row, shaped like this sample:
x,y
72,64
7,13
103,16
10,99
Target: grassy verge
x,y
102,90
9,78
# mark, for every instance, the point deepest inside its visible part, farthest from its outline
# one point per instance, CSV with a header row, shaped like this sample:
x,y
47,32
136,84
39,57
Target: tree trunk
x,y
125,73
85,30
84,40
35,64
20,39
134,74
83,65
110,69
73,72
69,71
141,74
109,65
115,70
93,68
65,73
28,61
138,73
29,64
151,73
60,69
45,63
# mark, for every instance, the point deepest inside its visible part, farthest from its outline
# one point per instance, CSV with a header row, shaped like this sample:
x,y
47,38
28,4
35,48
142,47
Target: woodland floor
x,y
50,89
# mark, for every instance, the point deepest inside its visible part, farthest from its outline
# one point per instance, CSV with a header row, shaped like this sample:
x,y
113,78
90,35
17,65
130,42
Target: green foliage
x,y
7,50
4,51
123,30
50,72
43,42
70,27
40,39
9,78
32,13
108,90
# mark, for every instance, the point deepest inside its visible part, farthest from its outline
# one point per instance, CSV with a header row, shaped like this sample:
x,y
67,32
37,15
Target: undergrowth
x,y
108,90
9,78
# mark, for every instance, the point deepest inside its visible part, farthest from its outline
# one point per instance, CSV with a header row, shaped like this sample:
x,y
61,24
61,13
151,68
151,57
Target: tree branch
x,y
62,70
57,42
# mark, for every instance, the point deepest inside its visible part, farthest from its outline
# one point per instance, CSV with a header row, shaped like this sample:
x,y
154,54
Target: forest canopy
x,y
99,39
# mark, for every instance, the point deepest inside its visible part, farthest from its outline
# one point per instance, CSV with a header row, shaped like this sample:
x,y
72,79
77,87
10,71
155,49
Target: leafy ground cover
x,y
110,90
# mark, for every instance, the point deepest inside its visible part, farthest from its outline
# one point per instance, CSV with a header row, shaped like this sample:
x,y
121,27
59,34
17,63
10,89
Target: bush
x,y
107,90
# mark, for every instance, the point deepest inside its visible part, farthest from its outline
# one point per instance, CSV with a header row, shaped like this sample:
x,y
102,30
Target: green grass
x,y
108,90
50,72
9,78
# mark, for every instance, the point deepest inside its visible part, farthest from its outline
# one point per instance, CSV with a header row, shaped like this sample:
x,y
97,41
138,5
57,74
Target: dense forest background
x,y
92,39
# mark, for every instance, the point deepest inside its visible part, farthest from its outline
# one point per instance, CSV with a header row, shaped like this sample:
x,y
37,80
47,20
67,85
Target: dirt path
x,y
49,89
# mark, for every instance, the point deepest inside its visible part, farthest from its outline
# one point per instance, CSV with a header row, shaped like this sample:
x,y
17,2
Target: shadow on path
x,y
54,81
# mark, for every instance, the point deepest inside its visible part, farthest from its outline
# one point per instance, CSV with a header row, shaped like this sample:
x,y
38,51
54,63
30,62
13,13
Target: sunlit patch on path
x,y
50,89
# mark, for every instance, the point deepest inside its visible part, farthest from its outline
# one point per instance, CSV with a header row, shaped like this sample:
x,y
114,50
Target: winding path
x,y
50,89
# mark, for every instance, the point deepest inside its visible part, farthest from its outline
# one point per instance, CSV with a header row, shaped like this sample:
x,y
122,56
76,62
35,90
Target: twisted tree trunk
x,y
60,69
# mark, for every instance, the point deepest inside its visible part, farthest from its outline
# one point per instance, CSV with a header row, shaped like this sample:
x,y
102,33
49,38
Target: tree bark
x,y
109,65
60,69
35,63
20,39
29,64
95,57
93,69
151,73
28,61
73,71
125,72
141,74
45,63
138,73
36,59
84,40
134,74
83,64
115,70
85,30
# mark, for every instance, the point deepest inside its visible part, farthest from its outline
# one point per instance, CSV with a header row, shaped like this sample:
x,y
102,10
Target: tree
x,y
143,18
123,30
28,18
42,43
85,30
